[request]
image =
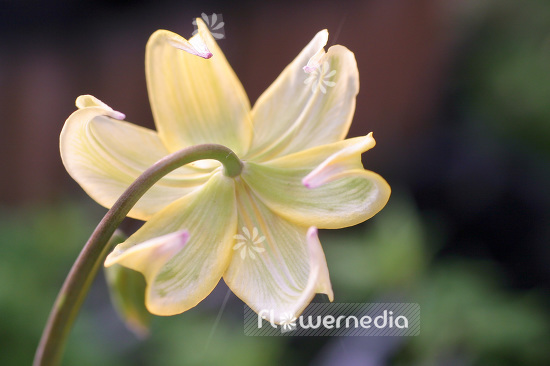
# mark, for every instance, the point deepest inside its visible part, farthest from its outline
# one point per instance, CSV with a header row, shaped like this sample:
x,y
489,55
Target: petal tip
x,y
312,232
200,21
195,46
89,101
322,36
308,69
118,115
370,136
311,181
318,263
151,254
177,243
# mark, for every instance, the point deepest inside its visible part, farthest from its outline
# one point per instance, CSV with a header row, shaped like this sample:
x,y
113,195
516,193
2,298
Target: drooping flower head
x,y
256,230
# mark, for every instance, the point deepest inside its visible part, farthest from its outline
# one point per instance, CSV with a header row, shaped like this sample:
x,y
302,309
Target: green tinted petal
x,y
195,100
341,192
105,155
179,276
281,267
311,103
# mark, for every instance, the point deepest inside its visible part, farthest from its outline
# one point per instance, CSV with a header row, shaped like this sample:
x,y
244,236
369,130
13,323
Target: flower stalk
x,y
83,271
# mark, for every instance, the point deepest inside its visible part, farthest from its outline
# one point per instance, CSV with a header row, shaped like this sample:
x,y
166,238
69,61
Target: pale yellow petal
x,y
195,46
87,100
195,100
344,195
311,103
287,271
180,276
105,155
151,255
339,164
319,278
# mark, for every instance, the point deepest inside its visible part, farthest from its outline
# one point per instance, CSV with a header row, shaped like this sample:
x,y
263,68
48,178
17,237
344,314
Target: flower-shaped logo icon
x,y
249,243
214,23
288,322
319,78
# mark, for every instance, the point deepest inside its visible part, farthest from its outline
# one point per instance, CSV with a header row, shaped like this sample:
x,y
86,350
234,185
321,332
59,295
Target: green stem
x,y
84,269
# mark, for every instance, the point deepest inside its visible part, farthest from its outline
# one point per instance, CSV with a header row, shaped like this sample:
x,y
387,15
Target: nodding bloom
x,y
257,230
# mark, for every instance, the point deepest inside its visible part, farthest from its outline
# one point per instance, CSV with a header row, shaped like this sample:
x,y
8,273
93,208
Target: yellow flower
x,y
252,230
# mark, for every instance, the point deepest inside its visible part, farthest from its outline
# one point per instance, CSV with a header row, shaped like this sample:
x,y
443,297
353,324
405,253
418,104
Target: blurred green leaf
x,y
389,254
507,75
465,312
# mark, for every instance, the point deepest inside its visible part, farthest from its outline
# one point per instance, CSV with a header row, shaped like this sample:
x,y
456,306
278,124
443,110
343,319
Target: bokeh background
x,y
457,93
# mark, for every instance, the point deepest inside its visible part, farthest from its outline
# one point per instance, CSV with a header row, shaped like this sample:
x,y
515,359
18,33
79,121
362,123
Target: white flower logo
x,y
319,76
216,30
288,322
249,243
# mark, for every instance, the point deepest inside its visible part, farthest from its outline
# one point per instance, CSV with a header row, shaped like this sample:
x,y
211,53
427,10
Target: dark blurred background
x,y
457,94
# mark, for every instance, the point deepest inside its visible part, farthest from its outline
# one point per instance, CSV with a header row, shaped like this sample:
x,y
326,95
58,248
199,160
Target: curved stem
x,y
84,269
